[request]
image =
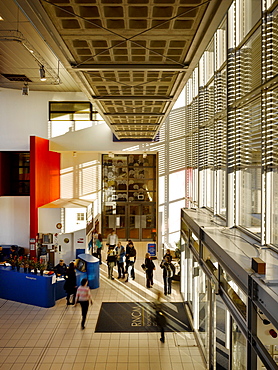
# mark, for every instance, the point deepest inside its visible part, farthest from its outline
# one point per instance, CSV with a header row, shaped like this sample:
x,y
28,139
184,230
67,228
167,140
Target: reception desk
x,y
44,290
27,288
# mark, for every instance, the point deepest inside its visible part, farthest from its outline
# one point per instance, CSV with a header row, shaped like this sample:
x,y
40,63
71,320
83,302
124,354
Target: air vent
x,y
11,77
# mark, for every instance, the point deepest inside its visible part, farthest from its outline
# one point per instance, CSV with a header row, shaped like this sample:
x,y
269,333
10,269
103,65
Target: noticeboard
x,y
152,249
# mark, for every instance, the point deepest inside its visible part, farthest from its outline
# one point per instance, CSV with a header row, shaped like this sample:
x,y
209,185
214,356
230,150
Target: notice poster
x,y
152,249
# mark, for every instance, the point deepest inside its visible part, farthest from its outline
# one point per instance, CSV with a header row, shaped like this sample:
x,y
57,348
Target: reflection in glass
x,y
239,349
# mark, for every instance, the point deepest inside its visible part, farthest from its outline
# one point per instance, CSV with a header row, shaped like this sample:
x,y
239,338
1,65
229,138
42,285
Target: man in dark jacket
x,y
130,258
60,269
168,274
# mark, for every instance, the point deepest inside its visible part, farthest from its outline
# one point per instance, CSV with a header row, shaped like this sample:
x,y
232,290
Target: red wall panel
x,y
44,179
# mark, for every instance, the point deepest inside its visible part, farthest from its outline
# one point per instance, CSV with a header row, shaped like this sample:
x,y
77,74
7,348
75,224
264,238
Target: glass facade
x,y
230,122
231,169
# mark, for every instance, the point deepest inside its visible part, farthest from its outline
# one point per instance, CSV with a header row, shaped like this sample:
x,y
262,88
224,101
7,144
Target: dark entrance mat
x,y
139,317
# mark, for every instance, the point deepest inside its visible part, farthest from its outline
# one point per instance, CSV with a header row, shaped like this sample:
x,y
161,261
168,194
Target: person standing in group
x,y
168,254
99,247
112,240
111,261
150,266
120,251
131,262
70,283
83,296
168,274
127,251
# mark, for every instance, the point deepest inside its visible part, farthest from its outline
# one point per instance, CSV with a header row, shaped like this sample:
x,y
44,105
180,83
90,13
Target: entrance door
x,y
142,223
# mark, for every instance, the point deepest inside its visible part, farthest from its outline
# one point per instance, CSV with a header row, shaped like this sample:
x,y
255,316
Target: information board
x,y
152,249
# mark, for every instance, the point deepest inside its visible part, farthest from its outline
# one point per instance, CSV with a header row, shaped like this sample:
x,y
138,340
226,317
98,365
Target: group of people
x,y
122,257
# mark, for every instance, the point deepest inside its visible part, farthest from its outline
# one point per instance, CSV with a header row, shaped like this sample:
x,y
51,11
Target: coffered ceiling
x,y
131,57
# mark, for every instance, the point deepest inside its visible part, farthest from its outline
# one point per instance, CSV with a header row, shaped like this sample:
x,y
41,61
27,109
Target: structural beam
x,y
134,114
136,124
133,97
129,67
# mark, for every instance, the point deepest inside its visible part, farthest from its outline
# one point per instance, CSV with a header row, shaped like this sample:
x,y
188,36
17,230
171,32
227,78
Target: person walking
x,y
70,283
111,261
160,317
131,262
168,274
99,247
112,239
120,251
83,296
149,266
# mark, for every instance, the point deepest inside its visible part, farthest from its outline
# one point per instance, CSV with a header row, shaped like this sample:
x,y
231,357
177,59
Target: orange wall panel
x,y
44,179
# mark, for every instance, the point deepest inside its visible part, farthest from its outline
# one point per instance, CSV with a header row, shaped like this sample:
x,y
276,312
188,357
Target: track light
x,y
25,89
144,155
42,73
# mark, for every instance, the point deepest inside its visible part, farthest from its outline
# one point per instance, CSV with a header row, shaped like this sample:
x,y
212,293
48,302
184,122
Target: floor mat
x,y
126,317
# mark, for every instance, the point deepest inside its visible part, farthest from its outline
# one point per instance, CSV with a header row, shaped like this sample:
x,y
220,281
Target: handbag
x,y
144,267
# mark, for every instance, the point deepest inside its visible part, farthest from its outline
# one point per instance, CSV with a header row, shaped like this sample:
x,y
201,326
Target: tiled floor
x,y
51,338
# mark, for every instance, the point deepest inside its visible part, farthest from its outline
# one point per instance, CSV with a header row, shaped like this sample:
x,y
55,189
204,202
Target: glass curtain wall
x,y
231,135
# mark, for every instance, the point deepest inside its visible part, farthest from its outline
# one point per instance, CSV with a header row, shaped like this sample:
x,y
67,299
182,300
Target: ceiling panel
x,y
130,57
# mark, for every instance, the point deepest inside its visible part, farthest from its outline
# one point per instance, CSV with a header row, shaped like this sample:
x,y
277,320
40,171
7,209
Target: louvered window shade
x,y
248,66
220,144
206,130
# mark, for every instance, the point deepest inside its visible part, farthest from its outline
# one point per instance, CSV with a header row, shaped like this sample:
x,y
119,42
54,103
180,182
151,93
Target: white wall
x,y
48,219
71,222
67,253
24,116
79,240
14,220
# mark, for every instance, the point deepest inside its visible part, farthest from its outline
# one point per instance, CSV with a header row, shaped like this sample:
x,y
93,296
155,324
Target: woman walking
x,y
83,296
70,283
149,265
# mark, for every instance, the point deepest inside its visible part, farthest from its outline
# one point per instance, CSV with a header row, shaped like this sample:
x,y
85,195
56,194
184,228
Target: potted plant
x,y
41,266
25,263
31,264
18,263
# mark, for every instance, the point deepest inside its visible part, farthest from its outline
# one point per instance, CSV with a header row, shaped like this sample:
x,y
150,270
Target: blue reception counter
x,y
27,288
44,290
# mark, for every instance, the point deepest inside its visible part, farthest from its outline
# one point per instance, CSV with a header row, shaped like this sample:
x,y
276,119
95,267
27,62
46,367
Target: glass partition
x,y
239,348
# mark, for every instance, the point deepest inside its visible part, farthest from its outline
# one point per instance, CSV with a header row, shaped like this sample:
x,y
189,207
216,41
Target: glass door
x,y
141,222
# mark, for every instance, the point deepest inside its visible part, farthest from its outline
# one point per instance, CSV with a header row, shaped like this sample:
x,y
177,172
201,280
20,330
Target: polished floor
x,y
51,338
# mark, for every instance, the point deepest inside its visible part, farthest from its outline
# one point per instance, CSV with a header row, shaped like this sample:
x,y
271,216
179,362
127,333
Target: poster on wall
x,y
152,249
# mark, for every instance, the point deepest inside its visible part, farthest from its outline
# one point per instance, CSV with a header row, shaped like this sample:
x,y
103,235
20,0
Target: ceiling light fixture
x,y
42,73
25,89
